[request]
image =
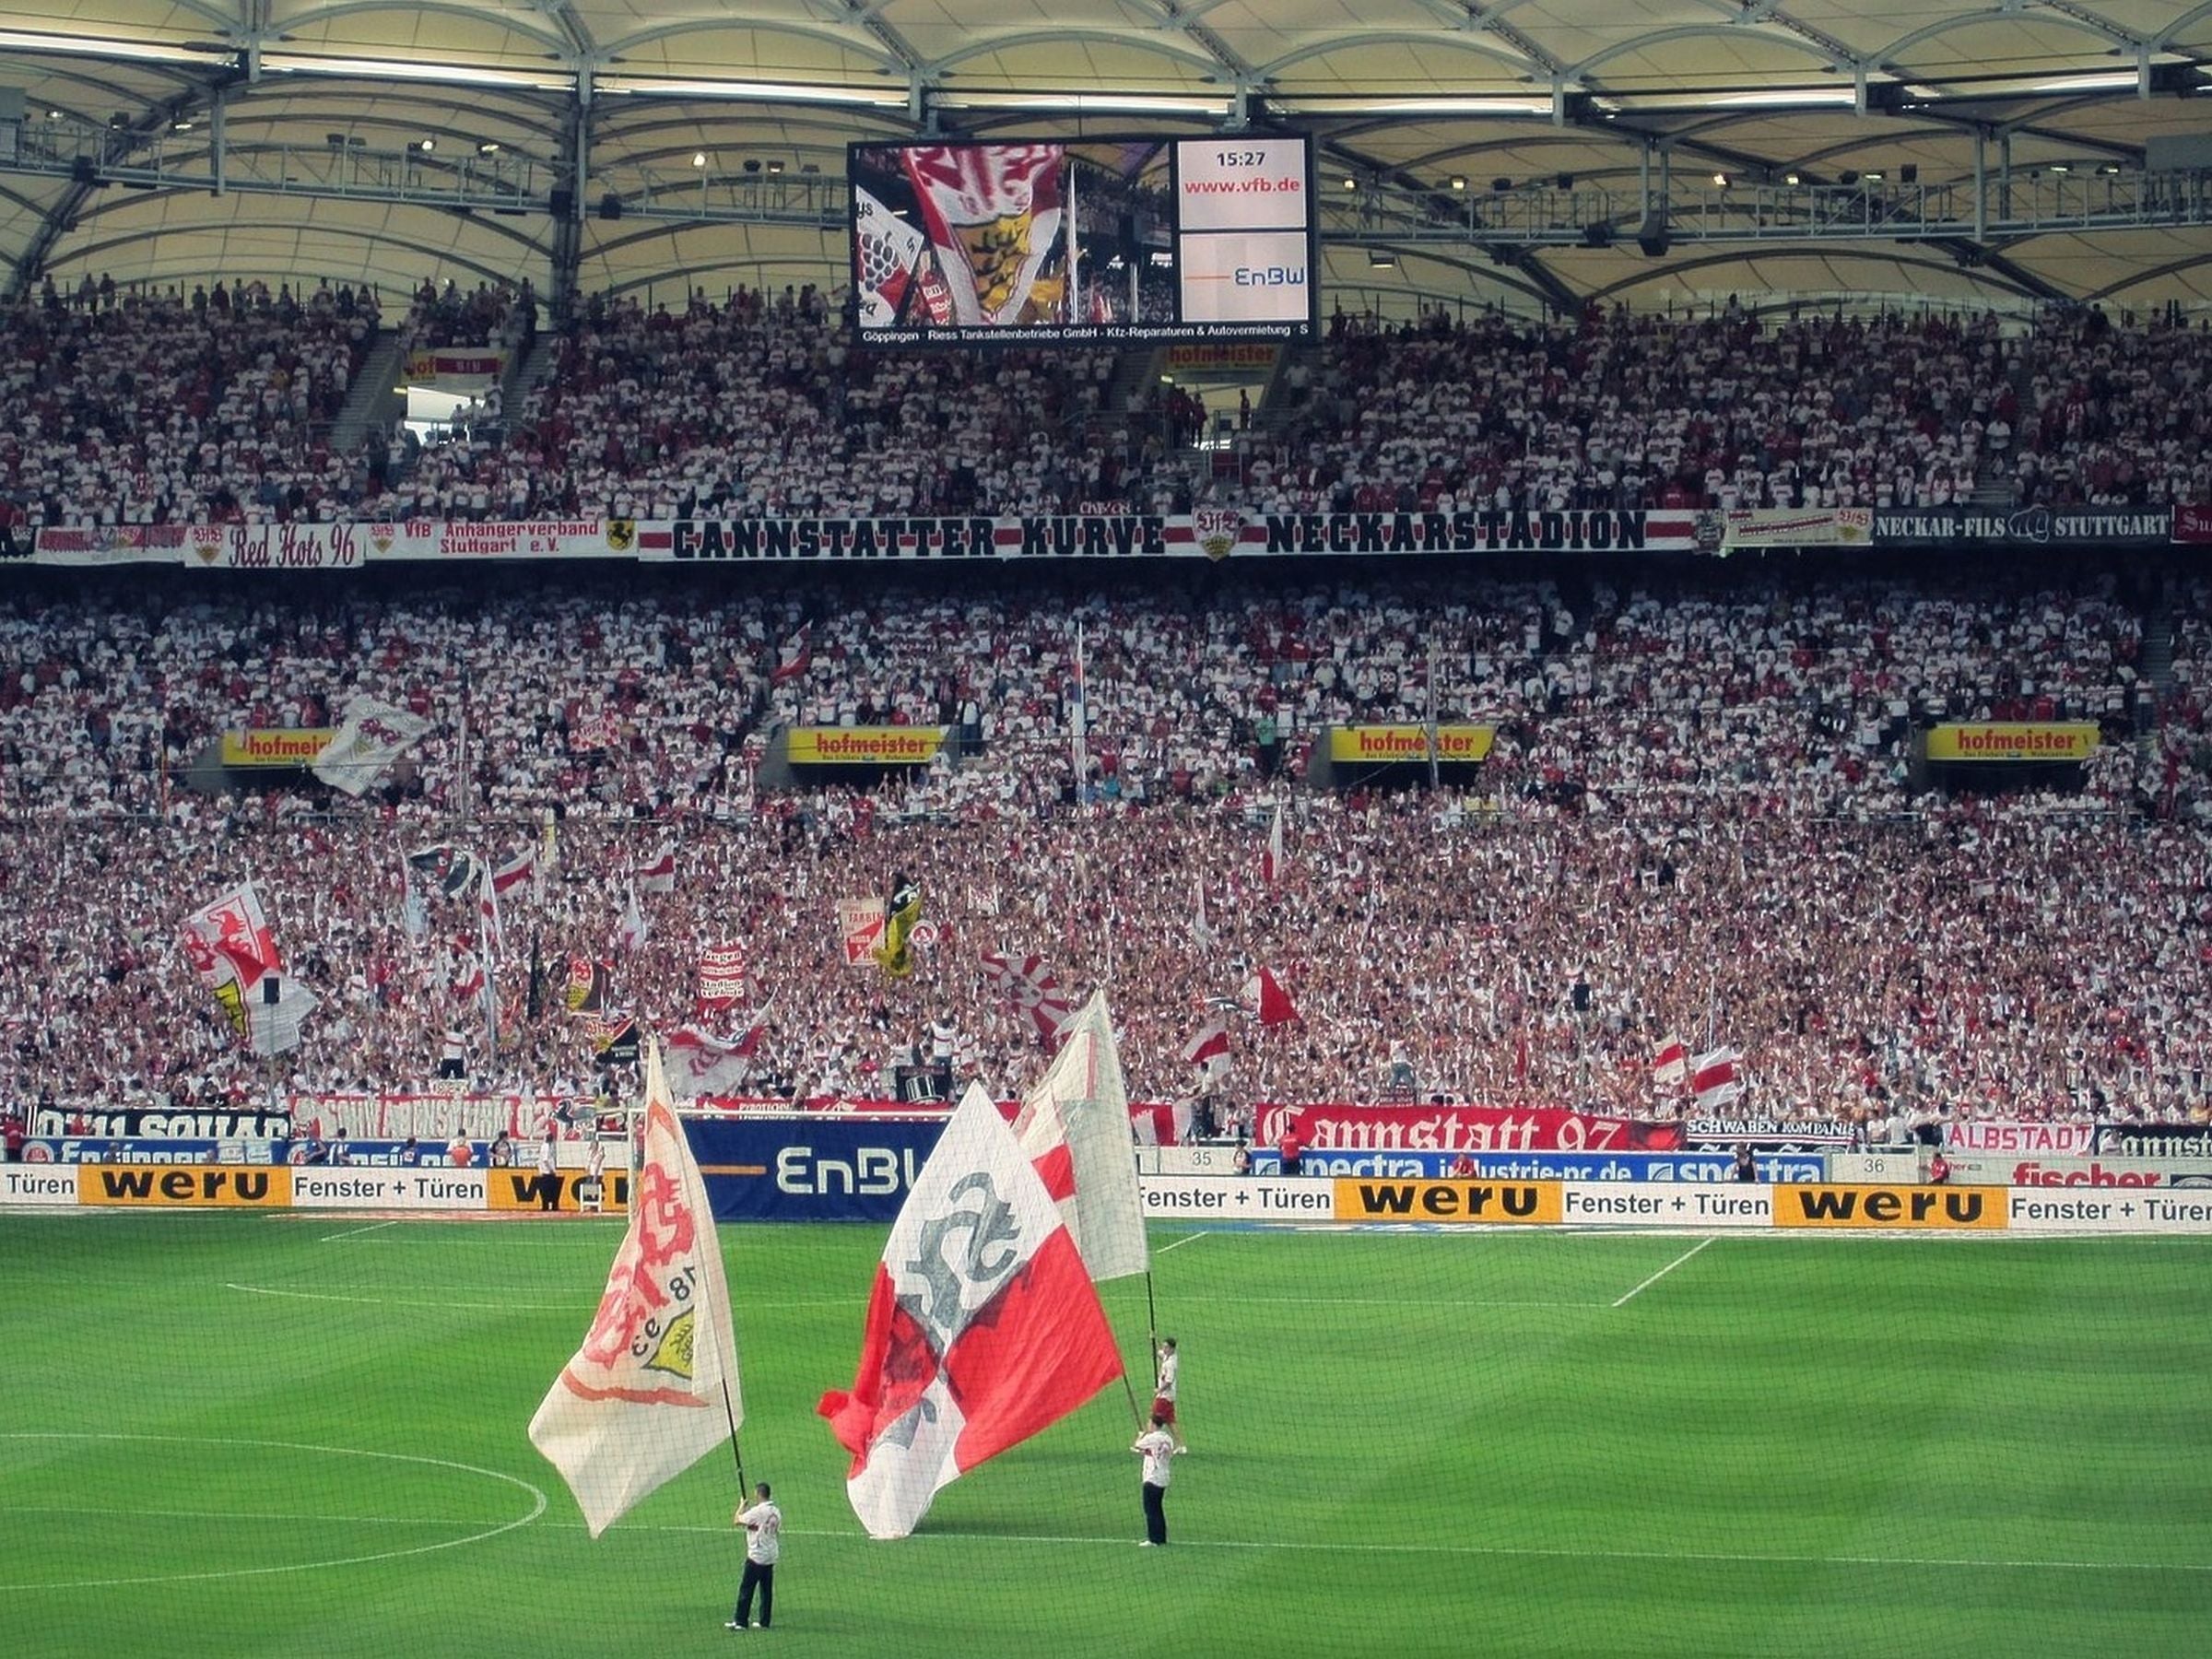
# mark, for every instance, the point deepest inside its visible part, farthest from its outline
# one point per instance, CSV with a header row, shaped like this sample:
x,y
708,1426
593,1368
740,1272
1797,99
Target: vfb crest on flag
x,y
1218,530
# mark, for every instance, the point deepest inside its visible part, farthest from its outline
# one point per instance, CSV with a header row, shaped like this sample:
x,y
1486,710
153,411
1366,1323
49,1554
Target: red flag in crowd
x,y
1263,995
721,977
1210,1049
1713,1077
795,656
517,873
1029,988
659,875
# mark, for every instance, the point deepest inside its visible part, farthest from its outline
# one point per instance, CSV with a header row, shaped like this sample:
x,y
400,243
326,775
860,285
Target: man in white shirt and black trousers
x,y
1157,1447
763,1525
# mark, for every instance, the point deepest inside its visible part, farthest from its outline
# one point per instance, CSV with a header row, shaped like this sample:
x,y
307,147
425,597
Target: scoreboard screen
x,y
1032,241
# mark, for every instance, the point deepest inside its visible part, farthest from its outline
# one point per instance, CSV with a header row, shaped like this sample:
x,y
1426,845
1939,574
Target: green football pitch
x,y
275,1435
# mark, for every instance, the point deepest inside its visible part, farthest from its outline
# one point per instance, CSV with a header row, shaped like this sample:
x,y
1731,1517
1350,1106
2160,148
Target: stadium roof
x,y
1811,147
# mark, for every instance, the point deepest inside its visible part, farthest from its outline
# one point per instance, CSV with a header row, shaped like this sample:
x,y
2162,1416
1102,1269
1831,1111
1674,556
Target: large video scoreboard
x,y
1023,242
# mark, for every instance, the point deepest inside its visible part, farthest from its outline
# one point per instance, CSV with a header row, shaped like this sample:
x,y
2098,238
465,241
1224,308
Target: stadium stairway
x,y
528,371
371,402
2157,663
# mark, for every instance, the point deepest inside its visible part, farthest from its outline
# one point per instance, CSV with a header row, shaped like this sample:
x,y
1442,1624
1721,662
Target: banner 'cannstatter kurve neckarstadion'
x,y
1208,533
1214,533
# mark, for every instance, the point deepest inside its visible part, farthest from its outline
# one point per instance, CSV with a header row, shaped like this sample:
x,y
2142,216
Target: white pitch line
x,y
1301,1545
355,1233
1288,1546
536,1493
1665,1270
48,1509
856,1301
1181,1242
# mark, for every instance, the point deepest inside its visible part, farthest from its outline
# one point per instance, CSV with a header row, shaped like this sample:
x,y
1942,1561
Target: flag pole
x,y
729,1415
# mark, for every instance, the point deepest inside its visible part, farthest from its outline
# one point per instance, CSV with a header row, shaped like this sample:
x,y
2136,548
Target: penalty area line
x,y
1663,1272
1180,1242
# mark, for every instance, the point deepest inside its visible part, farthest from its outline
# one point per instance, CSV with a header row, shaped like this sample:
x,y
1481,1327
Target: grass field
x,y
260,1435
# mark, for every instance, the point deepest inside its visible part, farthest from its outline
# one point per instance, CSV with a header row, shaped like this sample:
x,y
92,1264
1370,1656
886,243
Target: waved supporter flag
x,y
517,875
1202,931
707,1064
585,992
655,1387
1209,1050
451,870
860,929
1670,1067
902,910
613,1037
413,916
1271,860
983,1327
1713,1077
798,650
1029,987
232,948
721,977
659,875
631,931
993,215
370,737
1074,1123
1264,995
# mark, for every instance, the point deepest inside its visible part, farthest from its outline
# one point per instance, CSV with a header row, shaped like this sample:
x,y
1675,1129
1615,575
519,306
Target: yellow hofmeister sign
x,y
274,745
2014,740
187,1186
1537,1203
1373,742
865,746
1893,1208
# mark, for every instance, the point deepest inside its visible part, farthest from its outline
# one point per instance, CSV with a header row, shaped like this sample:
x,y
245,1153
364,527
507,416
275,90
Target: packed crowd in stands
x,y
2120,415
1699,808
140,408
756,408
143,407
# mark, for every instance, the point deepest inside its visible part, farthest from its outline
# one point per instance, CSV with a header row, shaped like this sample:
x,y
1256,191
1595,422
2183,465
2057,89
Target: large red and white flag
x,y
1713,1077
1264,995
654,1388
1075,1126
983,1328
1670,1067
1026,985
658,875
1271,860
1209,1050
